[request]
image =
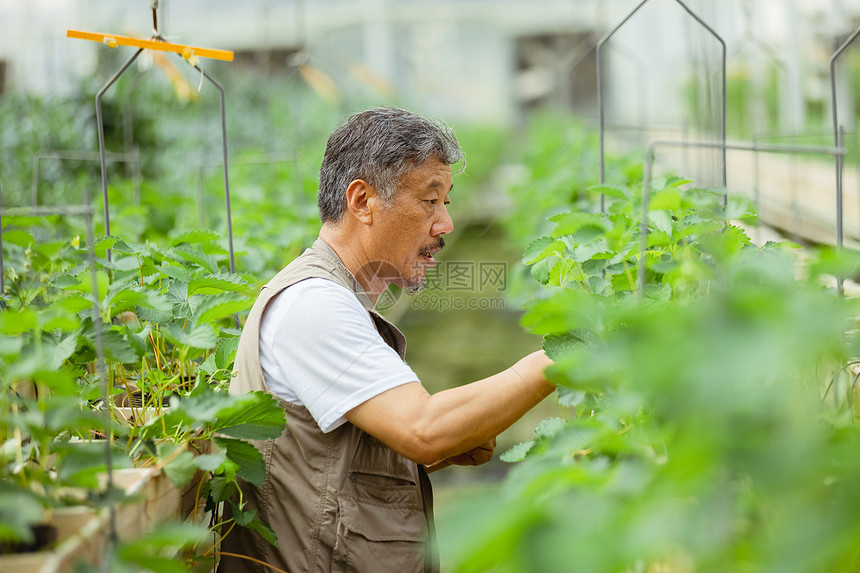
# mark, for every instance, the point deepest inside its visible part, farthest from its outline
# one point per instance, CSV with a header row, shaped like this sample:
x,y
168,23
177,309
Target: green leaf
x,y
570,223
570,397
62,350
667,199
596,264
67,413
560,273
220,488
195,237
208,366
118,347
536,248
215,307
197,257
80,463
226,352
610,191
216,283
167,536
19,509
264,530
557,345
123,296
517,453
209,462
200,336
18,237
122,247
675,181
550,427
18,321
75,303
11,345
541,269
181,467
175,271
121,263
152,315
68,282
253,416
661,221
249,460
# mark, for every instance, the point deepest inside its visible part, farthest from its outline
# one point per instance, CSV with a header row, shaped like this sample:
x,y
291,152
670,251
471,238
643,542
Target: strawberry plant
x,y
715,416
167,318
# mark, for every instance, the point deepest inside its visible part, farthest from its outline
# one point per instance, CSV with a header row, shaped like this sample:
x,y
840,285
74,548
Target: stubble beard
x,y
416,287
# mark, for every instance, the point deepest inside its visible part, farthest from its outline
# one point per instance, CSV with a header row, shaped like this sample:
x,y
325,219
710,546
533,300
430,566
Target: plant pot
x,y
82,531
44,535
157,500
136,409
80,537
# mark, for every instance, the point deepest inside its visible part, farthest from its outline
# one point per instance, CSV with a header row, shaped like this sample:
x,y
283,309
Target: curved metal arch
x,y
600,105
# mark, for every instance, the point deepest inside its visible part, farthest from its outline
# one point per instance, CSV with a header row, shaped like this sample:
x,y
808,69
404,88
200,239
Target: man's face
x,y
413,223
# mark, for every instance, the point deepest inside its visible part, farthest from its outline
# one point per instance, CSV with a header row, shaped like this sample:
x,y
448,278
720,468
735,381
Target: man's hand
x,y
474,457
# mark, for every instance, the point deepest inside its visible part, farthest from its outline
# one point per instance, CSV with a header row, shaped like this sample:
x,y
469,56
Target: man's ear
x,y
360,196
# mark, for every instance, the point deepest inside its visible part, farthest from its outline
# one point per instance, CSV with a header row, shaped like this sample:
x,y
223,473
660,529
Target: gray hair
x,y
380,146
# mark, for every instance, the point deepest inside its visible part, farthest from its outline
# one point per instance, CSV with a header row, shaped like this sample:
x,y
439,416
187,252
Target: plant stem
x,y
249,559
155,351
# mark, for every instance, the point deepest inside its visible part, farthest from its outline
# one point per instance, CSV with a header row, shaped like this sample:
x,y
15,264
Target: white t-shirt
x,y
320,348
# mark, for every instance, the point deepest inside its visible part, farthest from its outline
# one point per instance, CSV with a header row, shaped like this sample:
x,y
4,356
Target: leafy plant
x,y
713,402
168,330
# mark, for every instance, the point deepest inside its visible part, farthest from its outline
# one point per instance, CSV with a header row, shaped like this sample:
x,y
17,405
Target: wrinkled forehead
x,y
431,175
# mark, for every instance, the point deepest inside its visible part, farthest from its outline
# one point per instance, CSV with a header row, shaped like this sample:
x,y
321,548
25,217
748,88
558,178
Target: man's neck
x,y
356,259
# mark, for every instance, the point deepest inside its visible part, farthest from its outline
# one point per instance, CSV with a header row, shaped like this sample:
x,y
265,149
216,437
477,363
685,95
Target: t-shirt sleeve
x,y
323,351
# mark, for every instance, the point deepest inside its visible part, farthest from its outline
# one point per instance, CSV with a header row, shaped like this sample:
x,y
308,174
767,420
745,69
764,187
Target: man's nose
x,y
444,224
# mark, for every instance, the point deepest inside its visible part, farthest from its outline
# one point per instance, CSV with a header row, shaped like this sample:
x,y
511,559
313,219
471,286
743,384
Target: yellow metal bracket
x,y
187,52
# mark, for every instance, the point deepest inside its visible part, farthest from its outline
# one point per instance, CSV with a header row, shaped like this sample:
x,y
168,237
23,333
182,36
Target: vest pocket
x,y
381,526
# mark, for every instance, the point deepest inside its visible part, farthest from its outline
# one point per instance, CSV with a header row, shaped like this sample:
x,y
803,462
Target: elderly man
x,y
347,486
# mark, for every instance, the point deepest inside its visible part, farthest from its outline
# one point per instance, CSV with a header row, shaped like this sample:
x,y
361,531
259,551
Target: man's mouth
x,y
427,254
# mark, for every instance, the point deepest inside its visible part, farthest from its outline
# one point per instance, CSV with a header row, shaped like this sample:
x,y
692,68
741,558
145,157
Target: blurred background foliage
x,y
708,425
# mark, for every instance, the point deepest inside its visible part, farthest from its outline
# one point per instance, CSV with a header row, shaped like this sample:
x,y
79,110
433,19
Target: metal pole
x,y
101,132
201,213
840,142
854,136
224,157
839,158
756,190
643,224
137,176
2,269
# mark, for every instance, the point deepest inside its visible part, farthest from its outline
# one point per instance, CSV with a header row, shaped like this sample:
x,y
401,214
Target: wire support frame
x,y
103,158
600,97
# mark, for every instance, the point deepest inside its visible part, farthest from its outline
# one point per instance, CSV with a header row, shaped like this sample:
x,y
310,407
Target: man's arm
x,y
430,428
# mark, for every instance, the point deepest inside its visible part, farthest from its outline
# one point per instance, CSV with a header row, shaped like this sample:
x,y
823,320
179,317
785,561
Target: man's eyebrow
x,y
437,184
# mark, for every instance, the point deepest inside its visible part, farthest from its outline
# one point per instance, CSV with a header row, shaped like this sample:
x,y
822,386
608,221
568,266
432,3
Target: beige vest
x,y
341,501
